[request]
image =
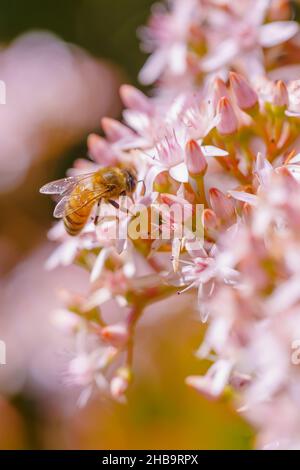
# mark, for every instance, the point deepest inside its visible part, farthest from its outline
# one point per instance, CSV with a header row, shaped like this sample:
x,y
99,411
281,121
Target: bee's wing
x,y
65,185
61,209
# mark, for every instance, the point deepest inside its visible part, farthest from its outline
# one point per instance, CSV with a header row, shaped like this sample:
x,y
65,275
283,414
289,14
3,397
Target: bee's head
x,y
131,180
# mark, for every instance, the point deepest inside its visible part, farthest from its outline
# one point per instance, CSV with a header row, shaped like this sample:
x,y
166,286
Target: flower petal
x,y
244,197
252,63
292,113
213,382
258,12
99,264
277,32
220,57
153,67
180,173
295,159
153,172
212,151
177,58
98,298
263,169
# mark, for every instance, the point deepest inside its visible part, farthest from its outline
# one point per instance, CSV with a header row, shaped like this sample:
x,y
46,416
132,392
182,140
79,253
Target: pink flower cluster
x,y
217,132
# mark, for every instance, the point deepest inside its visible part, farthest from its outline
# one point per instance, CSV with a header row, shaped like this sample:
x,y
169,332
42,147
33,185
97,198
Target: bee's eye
x,y
131,182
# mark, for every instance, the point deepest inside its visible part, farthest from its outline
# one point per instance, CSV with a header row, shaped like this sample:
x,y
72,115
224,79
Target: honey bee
x,y
80,193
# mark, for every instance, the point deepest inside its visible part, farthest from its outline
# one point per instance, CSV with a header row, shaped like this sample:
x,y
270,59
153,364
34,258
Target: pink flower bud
x,y
115,130
219,91
135,99
171,199
119,383
222,205
246,97
228,121
209,219
210,224
93,140
180,209
281,95
118,387
116,335
194,158
99,149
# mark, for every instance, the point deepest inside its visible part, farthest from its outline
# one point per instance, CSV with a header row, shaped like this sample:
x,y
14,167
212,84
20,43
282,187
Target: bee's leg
x,y
117,205
97,212
114,203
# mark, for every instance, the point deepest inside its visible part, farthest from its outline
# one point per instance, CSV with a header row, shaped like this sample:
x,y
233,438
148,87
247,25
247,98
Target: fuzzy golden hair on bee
x,y
79,194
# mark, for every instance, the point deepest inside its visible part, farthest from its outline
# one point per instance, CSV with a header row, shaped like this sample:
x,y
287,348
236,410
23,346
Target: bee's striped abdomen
x,y
75,219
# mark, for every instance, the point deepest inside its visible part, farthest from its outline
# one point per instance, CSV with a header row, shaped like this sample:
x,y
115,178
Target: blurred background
x,y
63,63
